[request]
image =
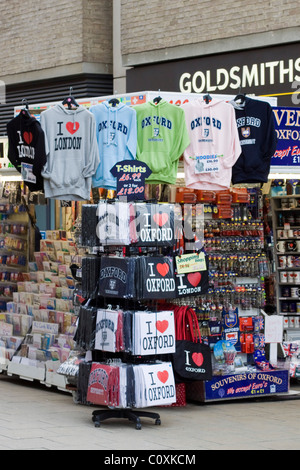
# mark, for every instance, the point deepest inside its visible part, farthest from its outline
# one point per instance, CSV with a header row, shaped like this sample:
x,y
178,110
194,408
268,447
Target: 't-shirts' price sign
x,y
131,176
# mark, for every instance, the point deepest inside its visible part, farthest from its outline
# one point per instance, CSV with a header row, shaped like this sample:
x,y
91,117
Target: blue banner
x,y
248,384
287,125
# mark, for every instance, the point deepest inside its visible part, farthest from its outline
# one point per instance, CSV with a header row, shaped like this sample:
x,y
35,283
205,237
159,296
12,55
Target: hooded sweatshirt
x,y
26,144
72,153
162,138
214,146
256,126
116,137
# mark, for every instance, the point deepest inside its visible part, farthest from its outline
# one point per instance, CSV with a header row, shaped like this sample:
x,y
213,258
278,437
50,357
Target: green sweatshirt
x,y
162,137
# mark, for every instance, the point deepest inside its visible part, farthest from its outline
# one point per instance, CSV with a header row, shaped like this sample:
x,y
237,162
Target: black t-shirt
x,y
117,277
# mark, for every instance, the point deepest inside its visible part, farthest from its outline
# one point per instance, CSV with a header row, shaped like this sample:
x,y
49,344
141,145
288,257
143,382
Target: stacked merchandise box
x,y
45,296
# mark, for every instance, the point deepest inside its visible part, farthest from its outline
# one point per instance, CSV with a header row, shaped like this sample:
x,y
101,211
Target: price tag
x,y
190,263
27,173
207,164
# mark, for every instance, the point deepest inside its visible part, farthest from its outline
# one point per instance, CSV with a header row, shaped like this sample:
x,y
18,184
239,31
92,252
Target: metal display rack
x,y
286,228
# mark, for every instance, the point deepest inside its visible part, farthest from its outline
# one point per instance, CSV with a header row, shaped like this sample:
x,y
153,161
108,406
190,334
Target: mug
x,y
291,322
286,291
293,307
298,307
291,277
297,262
297,245
282,261
296,233
285,322
284,307
291,246
297,277
295,293
283,276
289,261
280,234
290,233
296,322
281,247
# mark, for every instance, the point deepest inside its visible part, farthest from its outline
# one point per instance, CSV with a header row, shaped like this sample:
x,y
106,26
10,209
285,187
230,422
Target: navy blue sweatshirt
x,y
256,126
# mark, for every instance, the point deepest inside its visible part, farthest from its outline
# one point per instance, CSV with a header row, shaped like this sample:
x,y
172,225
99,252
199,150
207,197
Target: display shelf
x,y
35,372
53,379
3,365
25,371
15,236
285,218
45,297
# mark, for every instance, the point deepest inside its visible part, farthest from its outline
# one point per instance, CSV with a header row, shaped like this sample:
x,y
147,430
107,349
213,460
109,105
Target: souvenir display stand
x,y
286,228
121,324
140,272
231,314
286,224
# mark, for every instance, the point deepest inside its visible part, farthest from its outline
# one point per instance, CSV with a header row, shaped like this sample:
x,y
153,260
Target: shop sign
x,y
250,384
287,125
270,71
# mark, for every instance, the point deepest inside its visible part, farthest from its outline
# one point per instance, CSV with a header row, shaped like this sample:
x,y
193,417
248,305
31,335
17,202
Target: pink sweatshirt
x,y
214,147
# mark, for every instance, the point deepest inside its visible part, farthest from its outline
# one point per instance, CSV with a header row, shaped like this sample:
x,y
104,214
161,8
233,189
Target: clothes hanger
x,y
157,99
25,111
114,102
70,100
240,97
207,98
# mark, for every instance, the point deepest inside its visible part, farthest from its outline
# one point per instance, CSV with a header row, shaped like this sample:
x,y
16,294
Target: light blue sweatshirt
x,y
117,140
72,153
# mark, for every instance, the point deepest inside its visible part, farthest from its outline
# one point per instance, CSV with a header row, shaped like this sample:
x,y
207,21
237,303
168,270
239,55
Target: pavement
x,y
34,417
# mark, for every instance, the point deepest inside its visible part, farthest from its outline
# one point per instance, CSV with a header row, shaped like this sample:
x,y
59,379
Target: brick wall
x,y
97,31
37,35
169,23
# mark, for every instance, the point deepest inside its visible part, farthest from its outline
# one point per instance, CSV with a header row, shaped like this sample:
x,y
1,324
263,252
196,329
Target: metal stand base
x,y
101,415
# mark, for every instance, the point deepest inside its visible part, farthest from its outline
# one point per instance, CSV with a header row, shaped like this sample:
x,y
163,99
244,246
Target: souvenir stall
x,y
167,191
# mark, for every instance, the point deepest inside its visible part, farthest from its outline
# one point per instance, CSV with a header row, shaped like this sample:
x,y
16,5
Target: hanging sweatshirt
x,y
214,146
26,144
256,127
116,137
162,137
72,153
